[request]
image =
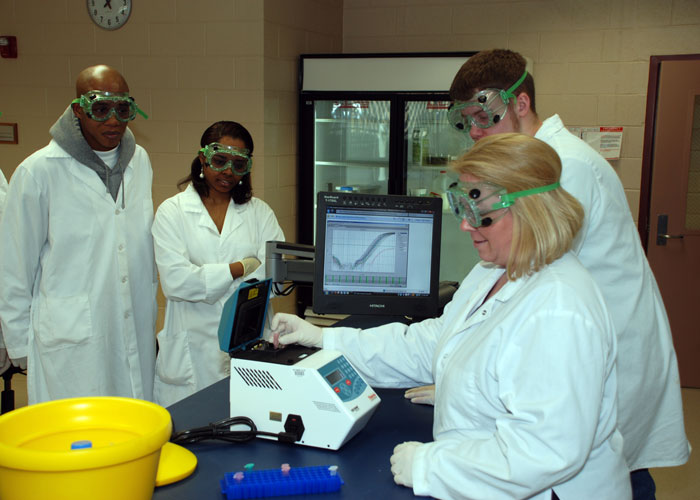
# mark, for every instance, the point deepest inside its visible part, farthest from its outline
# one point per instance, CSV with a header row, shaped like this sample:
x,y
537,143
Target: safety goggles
x,y
220,157
472,201
100,105
490,106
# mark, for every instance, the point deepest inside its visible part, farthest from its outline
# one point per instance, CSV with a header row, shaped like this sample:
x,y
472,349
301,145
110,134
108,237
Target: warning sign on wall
x,y
606,140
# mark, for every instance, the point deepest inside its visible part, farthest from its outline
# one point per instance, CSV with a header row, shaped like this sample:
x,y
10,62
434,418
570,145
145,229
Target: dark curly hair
x,y
242,192
492,69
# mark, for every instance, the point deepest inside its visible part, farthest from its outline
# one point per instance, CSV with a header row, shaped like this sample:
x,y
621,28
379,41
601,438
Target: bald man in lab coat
x,y
77,272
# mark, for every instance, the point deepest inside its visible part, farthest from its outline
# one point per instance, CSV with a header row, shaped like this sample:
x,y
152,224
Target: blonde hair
x,y
544,224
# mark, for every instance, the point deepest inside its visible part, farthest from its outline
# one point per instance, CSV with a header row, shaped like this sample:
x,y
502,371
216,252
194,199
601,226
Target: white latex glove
x,y
249,264
402,463
20,363
291,329
424,395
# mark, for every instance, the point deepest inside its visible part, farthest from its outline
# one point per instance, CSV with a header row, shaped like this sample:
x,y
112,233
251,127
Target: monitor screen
x,y
377,254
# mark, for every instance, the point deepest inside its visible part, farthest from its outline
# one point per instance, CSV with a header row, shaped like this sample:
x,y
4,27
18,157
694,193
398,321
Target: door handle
x,y
661,227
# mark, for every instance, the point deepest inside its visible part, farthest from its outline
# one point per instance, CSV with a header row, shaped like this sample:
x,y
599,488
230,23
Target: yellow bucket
x,y
41,455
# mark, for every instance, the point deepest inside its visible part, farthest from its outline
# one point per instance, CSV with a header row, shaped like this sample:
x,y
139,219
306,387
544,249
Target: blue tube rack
x,y
273,482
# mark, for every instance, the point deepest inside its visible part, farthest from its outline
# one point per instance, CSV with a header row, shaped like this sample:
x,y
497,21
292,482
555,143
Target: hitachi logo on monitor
x,y
378,306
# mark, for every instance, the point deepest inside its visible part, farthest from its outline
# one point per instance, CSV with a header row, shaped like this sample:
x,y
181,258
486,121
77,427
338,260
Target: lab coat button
x,y
124,279
121,248
126,315
116,212
483,313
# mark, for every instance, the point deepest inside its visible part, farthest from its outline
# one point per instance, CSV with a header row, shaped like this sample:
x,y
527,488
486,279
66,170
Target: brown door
x,y
672,172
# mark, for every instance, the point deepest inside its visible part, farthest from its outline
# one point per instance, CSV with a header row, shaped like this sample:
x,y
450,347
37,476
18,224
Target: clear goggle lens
x,y
489,108
101,106
484,111
220,157
472,201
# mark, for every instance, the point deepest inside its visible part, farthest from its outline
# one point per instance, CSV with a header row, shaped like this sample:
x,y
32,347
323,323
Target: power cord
x,y
284,292
221,431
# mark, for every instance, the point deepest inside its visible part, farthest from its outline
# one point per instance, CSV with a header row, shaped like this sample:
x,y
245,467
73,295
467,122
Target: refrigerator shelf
x,y
352,163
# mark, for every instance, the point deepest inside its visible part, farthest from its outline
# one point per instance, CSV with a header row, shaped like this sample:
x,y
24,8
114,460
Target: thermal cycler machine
x,y
314,393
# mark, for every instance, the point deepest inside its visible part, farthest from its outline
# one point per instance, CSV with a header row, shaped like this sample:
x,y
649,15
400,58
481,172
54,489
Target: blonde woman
x,y
523,358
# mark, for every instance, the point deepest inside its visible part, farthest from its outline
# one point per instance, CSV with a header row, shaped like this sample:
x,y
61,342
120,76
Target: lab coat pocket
x,y
64,321
174,361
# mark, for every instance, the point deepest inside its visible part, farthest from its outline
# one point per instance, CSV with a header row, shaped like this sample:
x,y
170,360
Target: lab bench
x,y
363,462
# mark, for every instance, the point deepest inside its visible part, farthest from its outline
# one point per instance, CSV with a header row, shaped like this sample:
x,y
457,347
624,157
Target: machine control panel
x,y
343,379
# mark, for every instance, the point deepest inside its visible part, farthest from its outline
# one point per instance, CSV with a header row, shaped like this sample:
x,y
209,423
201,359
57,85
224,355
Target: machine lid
x,y
243,316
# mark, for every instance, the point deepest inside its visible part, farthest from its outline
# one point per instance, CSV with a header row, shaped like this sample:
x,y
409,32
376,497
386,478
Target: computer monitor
x,y
377,254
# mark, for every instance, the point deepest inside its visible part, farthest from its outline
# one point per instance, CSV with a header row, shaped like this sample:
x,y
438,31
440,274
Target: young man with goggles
x,y
485,109
220,157
473,201
101,106
650,413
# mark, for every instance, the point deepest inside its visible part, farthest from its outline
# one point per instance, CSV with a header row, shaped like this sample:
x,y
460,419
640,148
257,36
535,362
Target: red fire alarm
x,y
8,46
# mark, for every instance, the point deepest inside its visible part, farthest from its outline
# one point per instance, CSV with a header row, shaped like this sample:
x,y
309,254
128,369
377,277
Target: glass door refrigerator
x,y
373,123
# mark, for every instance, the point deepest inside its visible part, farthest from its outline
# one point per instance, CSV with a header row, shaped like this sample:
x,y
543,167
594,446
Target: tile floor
x,y
672,483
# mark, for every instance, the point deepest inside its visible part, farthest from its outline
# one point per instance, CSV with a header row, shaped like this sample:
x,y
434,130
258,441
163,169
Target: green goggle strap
x,y
82,100
138,110
509,198
507,95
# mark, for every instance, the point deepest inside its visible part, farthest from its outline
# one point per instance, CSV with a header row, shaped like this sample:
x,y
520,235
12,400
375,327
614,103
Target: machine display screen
x,y
334,376
377,254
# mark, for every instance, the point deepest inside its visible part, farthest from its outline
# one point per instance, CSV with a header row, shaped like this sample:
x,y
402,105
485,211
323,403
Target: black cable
x,y
284,292
221,431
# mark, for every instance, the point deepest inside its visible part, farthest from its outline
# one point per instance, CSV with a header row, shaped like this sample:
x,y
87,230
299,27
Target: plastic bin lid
x,y
175,463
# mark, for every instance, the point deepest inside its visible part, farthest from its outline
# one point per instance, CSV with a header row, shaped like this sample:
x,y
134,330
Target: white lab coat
x,y
193,261
525,387
650,413
4,358
77,278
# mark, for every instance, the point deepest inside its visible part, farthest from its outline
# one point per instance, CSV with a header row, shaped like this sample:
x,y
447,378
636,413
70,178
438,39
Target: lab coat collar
x,y
193,203
469,314
550,127
458,320
83,173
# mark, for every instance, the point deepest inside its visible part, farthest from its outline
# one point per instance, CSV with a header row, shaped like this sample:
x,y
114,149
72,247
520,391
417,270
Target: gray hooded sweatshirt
x,y
68,134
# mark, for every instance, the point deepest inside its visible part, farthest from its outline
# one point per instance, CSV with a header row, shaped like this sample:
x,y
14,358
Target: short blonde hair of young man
x,y
544,224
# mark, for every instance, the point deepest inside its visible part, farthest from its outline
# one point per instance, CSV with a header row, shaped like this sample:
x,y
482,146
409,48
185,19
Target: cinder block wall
x,y
591,58
188,64
191,63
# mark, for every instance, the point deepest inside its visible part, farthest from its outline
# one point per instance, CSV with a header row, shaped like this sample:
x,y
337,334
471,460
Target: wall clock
x,y
109,14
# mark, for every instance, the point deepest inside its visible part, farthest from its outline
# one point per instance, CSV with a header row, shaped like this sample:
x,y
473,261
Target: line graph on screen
x,y
365,251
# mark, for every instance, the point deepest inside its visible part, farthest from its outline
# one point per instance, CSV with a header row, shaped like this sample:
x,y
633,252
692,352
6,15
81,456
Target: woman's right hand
x,y
424,395
291,329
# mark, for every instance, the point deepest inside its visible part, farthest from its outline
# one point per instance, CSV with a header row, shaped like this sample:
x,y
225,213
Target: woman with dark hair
x,y
208,239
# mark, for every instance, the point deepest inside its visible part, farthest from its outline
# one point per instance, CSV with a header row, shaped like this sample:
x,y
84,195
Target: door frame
x,y
643,221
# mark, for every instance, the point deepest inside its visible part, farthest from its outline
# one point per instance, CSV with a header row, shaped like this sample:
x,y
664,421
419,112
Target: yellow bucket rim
x,y
16,457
